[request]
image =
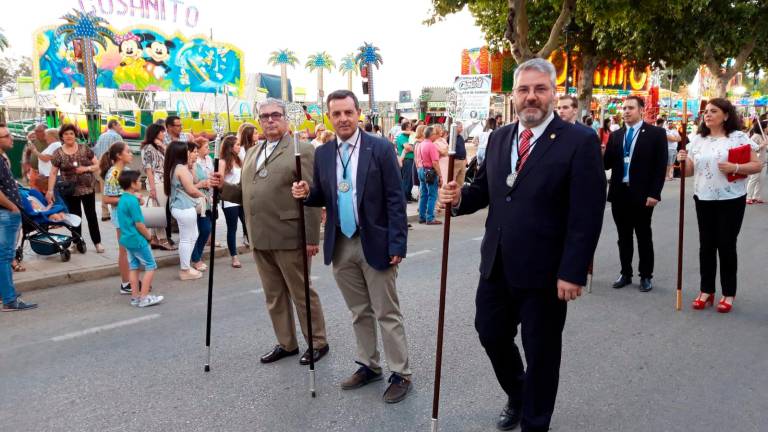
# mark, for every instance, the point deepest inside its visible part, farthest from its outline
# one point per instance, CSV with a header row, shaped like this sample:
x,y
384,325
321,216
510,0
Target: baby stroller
x,y
38,217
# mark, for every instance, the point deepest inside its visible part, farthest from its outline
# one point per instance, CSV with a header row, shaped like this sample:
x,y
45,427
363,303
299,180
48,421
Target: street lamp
x,y
569,30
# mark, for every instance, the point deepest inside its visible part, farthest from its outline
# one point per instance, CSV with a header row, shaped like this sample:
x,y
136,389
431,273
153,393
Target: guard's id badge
x,y
626,159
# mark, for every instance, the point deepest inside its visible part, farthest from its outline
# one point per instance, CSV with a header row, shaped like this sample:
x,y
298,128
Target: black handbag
x,y
430,175
65,188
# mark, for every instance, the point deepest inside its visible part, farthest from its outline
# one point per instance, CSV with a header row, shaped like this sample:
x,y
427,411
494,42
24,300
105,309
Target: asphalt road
x,y
86,361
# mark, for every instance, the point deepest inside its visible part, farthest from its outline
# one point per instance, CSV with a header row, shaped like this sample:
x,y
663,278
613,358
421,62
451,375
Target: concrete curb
x,y
100,272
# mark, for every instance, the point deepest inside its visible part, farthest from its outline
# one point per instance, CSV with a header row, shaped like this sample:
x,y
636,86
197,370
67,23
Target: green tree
x,y
11,69
3,40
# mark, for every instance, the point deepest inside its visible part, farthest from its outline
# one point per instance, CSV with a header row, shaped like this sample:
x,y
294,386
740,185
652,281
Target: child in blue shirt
x,y
134,237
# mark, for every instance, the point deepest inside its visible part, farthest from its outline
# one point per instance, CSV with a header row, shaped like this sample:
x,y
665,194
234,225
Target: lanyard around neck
x,y
344,165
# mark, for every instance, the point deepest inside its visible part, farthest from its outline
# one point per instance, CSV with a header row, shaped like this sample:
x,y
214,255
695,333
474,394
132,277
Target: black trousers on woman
x,y
719,226
88,203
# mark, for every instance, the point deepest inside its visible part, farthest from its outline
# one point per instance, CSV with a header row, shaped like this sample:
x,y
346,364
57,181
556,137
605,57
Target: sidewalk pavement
x,y
50,271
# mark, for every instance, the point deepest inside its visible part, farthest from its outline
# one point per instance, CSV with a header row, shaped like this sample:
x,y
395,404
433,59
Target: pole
x,y
229,118
305,261
679,299
443,280
214,216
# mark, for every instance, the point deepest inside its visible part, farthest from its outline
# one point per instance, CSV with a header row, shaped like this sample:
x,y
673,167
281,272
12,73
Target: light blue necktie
x,y
627,152
346,211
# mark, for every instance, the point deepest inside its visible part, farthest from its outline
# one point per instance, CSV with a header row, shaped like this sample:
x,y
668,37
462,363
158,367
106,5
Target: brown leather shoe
x,y
364,375
398,389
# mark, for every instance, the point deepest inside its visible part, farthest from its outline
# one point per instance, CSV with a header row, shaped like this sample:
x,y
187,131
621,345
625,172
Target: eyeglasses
x,y
275,116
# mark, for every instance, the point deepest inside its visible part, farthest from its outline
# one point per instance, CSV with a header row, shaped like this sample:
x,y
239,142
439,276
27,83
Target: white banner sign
x,y
475,92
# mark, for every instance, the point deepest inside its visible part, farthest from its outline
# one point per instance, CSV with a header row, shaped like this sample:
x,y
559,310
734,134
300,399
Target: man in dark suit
x,y
357,178
637,156
545,188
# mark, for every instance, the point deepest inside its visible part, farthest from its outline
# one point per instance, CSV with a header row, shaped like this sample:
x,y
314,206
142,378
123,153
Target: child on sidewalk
x,y
134,237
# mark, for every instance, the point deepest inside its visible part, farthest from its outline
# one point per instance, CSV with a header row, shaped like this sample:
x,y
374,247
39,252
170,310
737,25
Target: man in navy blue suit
x,y
357,180
543,182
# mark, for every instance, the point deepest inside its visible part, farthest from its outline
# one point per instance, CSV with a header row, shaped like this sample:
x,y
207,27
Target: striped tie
x,y
525,147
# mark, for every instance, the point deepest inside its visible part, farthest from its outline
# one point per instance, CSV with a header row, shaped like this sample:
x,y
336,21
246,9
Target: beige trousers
x,y
282,276
371,296
459,171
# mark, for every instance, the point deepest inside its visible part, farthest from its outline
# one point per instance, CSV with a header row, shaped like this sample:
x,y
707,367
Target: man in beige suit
x,y
272,218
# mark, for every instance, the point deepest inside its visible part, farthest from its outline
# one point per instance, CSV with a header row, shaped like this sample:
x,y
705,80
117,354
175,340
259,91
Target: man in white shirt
x,y
673,139
44,158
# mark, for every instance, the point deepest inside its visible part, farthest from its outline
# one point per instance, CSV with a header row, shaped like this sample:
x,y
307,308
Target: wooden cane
x,y
683,141
305,262
443,280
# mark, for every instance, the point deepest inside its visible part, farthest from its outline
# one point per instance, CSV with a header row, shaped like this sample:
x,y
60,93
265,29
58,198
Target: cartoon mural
x,y
143,59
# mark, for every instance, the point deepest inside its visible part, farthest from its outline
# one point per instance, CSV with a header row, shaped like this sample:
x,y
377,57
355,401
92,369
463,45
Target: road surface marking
x,y
417,253
105,327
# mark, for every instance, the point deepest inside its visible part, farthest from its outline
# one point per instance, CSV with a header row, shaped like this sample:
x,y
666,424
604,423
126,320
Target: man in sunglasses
x,y
272,219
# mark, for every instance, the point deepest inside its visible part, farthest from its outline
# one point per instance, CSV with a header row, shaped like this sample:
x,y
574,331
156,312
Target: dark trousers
x,y
719,226
88,203
231,215
203,232
634,219
541,316
406,173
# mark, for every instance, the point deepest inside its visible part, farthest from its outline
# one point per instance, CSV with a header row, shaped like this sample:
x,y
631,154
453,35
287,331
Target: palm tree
x,y
284,58
3,40
319,62
349,68
368,55
88,28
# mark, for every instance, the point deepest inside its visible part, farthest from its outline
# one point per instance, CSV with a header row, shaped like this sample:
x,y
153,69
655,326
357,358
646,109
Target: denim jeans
x,y
141,257
232,215
427,198
203,231
407,176
9,226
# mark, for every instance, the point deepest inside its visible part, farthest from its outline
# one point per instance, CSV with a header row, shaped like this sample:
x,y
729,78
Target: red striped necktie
x,y
524,149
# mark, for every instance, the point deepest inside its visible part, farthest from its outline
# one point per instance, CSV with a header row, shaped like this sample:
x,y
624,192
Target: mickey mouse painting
x,y
159,52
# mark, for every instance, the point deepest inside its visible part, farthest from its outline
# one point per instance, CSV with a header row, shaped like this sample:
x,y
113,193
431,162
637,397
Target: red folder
x,y
739,155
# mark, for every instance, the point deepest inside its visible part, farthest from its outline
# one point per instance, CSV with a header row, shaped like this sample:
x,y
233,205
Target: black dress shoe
x,y
645,284
319,353
622,281
277,353
509,418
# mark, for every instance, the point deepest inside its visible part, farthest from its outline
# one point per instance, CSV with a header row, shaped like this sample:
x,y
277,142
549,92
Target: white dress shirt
x,y
538,131
354,153
636,131
264,154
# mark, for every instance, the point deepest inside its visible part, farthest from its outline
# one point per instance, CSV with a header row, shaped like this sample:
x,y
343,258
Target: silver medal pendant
x,y
263,173
511,179
344,186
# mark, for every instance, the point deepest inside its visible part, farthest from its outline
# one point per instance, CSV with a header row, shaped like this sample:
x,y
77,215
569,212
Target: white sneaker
x,y
150,300
135,301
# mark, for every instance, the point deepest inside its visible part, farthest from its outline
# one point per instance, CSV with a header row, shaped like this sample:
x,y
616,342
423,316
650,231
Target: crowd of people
x,y
359,183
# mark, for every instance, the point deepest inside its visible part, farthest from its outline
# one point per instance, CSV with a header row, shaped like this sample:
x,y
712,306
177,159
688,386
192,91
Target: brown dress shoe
x,y
364,375
398,389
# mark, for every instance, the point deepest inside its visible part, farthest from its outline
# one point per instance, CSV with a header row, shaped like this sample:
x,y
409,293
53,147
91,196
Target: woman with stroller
x,y
77,165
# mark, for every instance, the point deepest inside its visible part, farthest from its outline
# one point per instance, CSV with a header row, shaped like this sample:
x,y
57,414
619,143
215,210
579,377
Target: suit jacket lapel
x,y
363,160
542,145
331,151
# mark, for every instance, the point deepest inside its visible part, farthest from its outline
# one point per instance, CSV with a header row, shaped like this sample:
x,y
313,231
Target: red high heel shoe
x,y
723,306
700,304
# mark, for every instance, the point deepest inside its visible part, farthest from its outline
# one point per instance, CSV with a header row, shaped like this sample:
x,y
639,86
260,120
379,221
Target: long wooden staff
x,y
681,224
443,280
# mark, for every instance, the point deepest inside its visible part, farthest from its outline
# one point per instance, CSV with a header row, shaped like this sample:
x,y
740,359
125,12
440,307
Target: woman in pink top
x,y
429,158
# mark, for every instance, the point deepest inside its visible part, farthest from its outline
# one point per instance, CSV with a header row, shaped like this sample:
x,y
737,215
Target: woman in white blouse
x,y
720,204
